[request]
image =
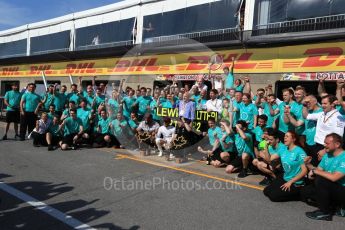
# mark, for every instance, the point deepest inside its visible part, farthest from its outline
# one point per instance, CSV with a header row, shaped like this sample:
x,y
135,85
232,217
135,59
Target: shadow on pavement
x,y
16,214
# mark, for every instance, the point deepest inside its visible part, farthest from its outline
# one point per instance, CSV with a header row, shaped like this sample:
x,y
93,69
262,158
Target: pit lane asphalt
x,y
78,183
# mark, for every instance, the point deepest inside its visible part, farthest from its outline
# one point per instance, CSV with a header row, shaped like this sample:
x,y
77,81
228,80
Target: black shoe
x,y
50,148
319,215
22,139
265,182
4,138
243,173
16,136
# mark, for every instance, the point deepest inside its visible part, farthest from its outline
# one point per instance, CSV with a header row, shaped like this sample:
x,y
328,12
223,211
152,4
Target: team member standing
x,y
12,101
214,104
28,105
287,188
248,111
187,108
328,121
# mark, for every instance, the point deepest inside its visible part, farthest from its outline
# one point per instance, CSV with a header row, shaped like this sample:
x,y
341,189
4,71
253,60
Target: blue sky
x,y
15,13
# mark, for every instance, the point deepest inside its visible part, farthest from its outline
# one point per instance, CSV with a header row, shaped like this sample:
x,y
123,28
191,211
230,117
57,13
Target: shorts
x,y
236,162
68,140
13,116
216,156
55,140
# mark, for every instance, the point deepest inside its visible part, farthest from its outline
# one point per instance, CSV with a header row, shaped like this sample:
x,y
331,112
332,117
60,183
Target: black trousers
x,y
39,139
329,195
312,151
27,123
276,194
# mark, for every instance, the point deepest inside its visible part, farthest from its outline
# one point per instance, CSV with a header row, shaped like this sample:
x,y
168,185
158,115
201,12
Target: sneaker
x,y
4,138
160,153
319,215
340,212
50,148
266,181
171,156
243,173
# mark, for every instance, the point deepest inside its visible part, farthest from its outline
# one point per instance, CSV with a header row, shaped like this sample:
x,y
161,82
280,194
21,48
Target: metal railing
x,y
105,45
13,55
49,51
308,24
202,36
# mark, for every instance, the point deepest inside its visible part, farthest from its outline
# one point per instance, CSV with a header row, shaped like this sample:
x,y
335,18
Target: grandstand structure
x,y
271,40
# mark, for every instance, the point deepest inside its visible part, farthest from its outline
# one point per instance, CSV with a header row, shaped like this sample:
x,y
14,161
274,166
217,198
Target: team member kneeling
x,y
329,180
268,161
244,145
287,187
103,137
73,131
53,135
39,133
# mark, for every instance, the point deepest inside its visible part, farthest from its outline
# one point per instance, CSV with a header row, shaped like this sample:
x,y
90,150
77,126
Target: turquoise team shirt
x,y
99,100
270,118
236,115
113,107
117,130
292,161
60,101
310,128
258,132
49,100
276,151
84,115
247,113
143,102
331,164
104,125
244,146
214,133
229,81
127,106
72,126
239,88
229,140
153,107
294,107
31,101
54,130
74,97
299,116
13,99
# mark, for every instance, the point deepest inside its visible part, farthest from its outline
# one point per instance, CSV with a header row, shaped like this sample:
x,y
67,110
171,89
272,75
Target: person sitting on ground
x,y
73,129
268,161
164,136
244,146
329,183
54,134
39,133
103,137
288,187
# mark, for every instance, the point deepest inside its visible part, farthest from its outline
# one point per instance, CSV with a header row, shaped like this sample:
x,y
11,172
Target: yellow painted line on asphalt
x,y
188,171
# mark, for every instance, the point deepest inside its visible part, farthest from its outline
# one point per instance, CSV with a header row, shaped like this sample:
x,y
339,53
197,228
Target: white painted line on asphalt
x,y
74,223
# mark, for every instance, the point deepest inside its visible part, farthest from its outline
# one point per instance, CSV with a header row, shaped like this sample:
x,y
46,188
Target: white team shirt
x,y
331,122
214,105
166,132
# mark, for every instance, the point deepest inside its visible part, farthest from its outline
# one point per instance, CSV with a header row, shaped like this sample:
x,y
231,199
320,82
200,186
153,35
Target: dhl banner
x,y
321,57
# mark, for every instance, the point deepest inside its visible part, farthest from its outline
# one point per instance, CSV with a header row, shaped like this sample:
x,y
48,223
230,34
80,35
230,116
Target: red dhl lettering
x,y
315,57
86,67
197,62
38,69
9,71
137,65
